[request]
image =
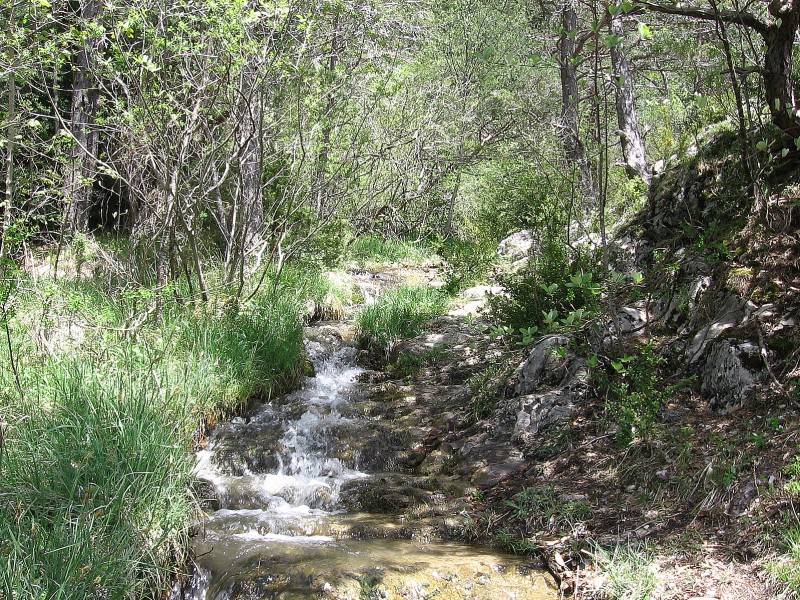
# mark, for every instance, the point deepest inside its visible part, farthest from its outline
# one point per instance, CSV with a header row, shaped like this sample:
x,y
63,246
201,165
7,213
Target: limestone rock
x,y
543,365
518,246
730,311
540,410
728,376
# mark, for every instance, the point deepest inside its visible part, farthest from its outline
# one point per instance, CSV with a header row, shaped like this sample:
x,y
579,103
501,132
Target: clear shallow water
x,y
278,529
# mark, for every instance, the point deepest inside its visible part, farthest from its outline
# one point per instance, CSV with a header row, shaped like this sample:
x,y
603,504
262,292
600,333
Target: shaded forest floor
x,y
693,510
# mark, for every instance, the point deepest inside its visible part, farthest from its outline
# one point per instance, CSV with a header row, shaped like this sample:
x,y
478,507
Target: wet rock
x,y
518,246
384,495
728,377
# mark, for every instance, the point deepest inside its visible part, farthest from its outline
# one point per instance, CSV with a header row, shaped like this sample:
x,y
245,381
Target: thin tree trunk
x,y
322,192
11,134
630,136
81,168
574,148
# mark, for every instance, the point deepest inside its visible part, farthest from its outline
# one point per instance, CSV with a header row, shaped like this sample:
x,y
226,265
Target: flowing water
x,y
277,525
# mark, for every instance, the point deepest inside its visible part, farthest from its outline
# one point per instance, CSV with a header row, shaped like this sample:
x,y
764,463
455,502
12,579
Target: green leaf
x,y
778,22
784,152
611,40
644,31
761,145
592,361
797,142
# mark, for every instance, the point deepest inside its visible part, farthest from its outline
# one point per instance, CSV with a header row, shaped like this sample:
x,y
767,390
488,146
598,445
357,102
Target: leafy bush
x,y
398,314
553,286
634,392
468,263
511,194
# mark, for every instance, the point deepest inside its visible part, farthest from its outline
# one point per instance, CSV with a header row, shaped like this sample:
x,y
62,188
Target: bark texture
x,y
633,148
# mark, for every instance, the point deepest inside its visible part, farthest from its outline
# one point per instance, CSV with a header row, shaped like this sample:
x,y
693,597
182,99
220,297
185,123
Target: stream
x,y
283,521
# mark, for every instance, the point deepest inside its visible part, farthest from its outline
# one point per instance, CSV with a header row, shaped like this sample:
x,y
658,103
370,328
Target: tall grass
x,y
398,314
95,459
372,250
786,568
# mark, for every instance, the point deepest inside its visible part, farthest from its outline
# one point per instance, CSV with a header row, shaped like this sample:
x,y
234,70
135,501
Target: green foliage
x,y
468,263
555,289
397,314
629,570
508,195
95,465
487,388
634,392
372,250
94,491
408,364
542,507
786,567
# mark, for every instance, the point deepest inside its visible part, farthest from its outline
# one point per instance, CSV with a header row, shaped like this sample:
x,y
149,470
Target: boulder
x,y
518,246
730,311
544,365
543,409
728,377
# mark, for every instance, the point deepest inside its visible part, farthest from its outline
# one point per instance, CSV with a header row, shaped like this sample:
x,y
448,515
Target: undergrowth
x,y
397,314
101,414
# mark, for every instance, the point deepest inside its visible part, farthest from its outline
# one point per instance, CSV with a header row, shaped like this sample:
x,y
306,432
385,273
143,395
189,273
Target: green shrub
x,y
511,194
553,286
634,392
398,314
468,263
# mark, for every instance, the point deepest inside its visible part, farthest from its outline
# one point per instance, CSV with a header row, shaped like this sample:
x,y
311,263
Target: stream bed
x,y
295,512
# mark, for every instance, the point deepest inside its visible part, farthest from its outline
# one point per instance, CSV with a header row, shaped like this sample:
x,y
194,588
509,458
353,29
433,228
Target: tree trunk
x,y
570,130
780,94
81,168
630,136
11,134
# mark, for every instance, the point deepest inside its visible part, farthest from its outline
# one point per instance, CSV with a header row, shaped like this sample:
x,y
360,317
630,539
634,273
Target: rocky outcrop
x,y
729,374
553,382
518,246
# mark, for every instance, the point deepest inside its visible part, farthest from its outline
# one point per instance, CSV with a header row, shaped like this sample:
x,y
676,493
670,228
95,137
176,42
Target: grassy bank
x,y
397,314
101,413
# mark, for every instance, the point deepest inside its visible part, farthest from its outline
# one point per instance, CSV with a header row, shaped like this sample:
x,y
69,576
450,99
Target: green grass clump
x,y
369,249
102,412
94,500
630,572
398,314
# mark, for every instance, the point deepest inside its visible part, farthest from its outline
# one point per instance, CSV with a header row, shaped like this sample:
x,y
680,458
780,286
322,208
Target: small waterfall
x,y
287,503
276,524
